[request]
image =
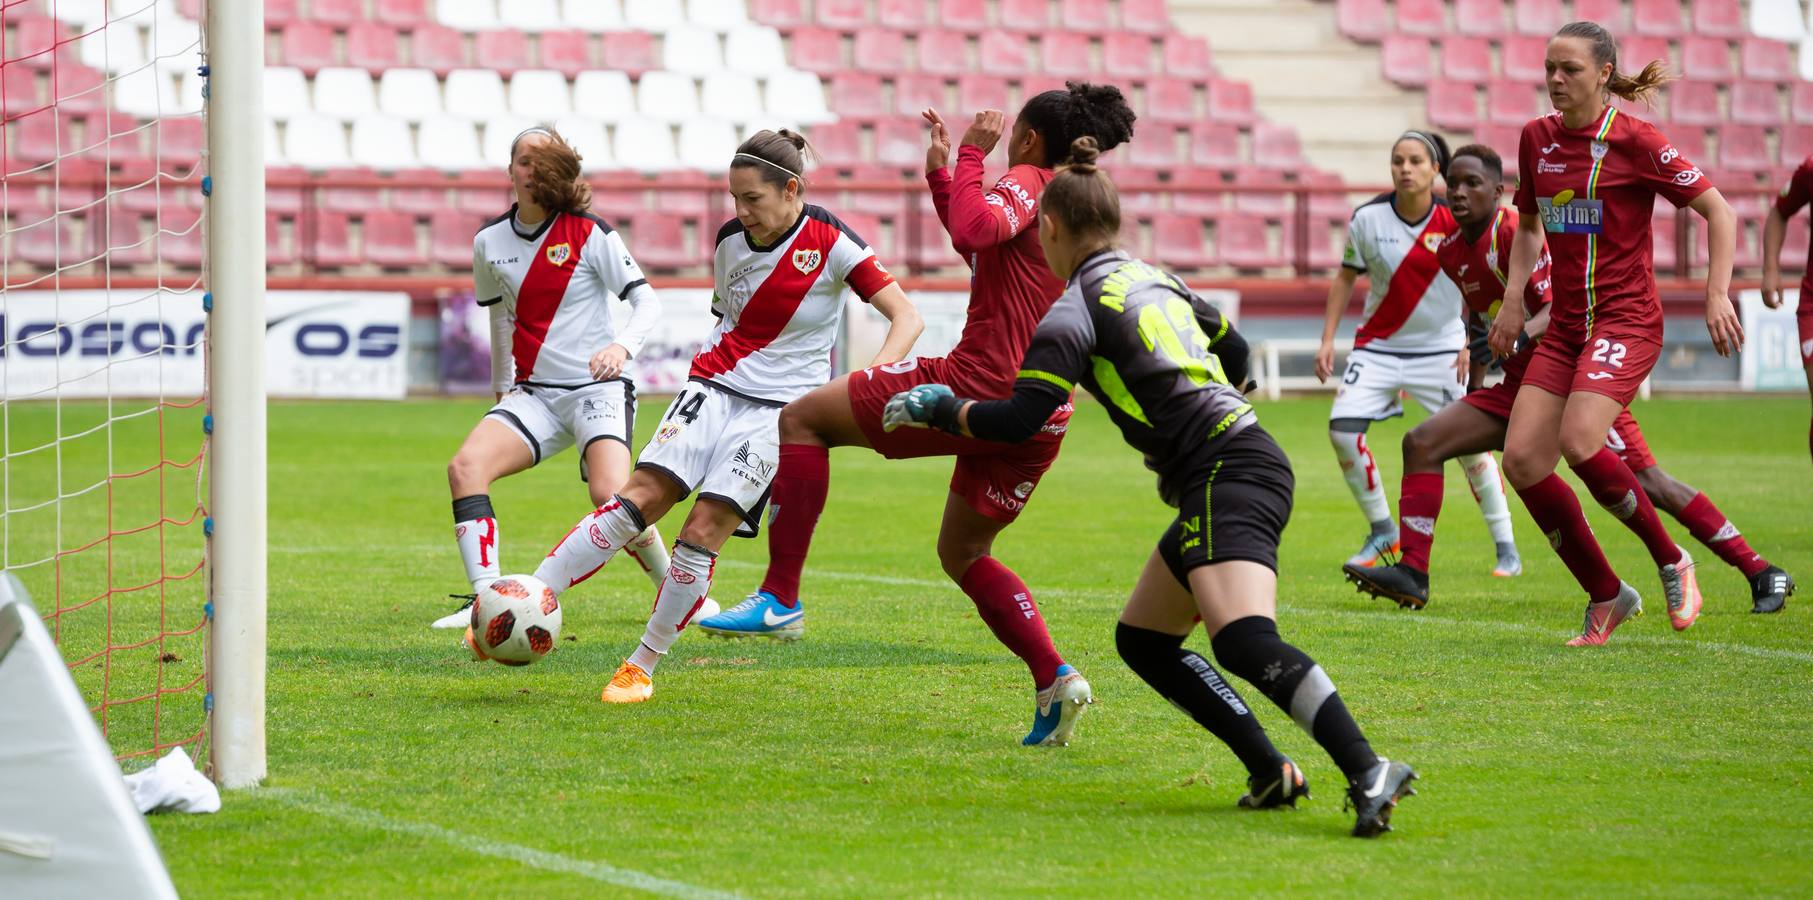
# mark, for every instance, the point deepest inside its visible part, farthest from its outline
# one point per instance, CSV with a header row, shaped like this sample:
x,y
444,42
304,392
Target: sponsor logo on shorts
x,y
998,498
667,432
1022,489
1600,376
806,261
750,466
559,253
597,536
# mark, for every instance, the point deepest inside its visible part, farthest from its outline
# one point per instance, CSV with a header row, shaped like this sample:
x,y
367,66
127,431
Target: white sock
x,y
681,594
590,545
1489,491
1362,474
648,550
475,530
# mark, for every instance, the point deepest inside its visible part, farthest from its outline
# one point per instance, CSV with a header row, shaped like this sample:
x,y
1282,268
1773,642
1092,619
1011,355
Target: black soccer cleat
x,y
1275,789
1375,794
1397,582
461,617
1770,590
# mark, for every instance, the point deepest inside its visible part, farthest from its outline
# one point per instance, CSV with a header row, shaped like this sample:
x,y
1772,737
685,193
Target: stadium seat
x,y
437,48
540,94
372,47
978,92
390,240
1148,16
801,94
1363,20
632,52
943,52
566,52
1453,106
332,246
1756,103
842,15
308,46
781,14
1537,18
1503,139
931,245
110,50
603,94
1796,144
1694,103
1467,59
754,50
1026,15
1691,142
659,16
336,194
175,44
480,94
880,50
1214,145
1636,52
589,138
730,97
667,96
1179,241
913,93
146,92
449,144
1156,149
382,143
1405,59
717,15
1779,20
899,142
315,142
1706,59
1276,146
78,89
1246,244
645,145
497,134
839,142
34,39
1480,18
279,249
344,93
1199,192
1512,103
336,12
963,15
706,144
1090,16
1231,101
907,15
818,50
1271,205
1766,60
450,239
1800,102
179,138
692,51
618,202
20,89
1065,54
1658,18
1424,17
1718,19
660,242
1168,100
1187,57
1127,55
858,97
285,93
48,242
1523,58
1001,53
400,13
1327,206
1744,148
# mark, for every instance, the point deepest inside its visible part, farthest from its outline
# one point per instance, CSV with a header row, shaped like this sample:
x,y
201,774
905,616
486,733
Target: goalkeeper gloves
x,y
924,406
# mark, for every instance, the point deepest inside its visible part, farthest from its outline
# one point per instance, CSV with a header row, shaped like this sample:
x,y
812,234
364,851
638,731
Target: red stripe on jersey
x,y
1408,283
772,306
544,286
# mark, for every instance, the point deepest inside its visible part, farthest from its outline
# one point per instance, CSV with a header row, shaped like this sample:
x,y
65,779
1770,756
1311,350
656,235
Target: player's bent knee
x,y
957,559
1418,449
465,475
1523,468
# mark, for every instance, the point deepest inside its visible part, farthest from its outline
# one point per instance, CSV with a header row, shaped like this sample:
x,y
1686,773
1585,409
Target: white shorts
x,y
1371,382
551,419
724,446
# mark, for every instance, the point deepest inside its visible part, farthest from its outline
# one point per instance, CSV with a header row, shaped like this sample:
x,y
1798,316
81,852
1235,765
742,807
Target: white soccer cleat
x,y
459,618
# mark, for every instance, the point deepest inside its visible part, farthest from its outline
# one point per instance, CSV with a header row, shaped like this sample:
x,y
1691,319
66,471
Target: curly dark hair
x,y
1096,110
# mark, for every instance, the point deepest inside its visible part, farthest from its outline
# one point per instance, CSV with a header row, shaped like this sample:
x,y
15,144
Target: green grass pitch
x,y
880,755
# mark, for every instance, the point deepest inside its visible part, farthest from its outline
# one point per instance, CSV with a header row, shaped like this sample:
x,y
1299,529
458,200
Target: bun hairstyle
x,y
780,155
1488,159
1642,86
554,182
1435,144
1082,196
1081,108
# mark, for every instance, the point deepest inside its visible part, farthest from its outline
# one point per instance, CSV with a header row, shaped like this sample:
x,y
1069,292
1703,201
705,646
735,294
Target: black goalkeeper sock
x,y
1252,649
1190,683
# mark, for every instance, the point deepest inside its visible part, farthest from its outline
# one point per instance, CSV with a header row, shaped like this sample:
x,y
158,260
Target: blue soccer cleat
x,y
759,615
1060,705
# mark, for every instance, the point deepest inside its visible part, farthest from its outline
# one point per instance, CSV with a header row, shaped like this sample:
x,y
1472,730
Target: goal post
x,y
236,386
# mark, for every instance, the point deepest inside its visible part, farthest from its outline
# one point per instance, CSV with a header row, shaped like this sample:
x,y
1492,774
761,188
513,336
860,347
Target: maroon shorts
x,y
1803,315
995,479
1626,440
1496,401
1612,362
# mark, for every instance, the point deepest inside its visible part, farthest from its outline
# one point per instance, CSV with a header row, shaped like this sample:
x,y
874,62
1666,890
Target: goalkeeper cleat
x,y
759,615
1770,590
1397,582
629,685
1274,789
1377,550
1606,615
471,647
1682,590
1059,706
461,617
1510,564
1375,794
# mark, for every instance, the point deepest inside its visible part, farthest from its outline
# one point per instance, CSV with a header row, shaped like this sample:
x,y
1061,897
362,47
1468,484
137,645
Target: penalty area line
x,y
528,856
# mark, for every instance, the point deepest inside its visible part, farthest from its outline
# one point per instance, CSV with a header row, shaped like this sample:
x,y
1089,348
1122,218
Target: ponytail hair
x,y
554,182
1641,86
780,155
1081,195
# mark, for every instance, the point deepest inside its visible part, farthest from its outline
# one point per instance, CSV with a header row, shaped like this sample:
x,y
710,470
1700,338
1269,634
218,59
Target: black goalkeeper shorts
x,y
1235,509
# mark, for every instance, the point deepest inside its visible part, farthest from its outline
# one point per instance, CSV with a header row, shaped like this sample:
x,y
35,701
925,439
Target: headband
x,y
796,175
1427,141
534,129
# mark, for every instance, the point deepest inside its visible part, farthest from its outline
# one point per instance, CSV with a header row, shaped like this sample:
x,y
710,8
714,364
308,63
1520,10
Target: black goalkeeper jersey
x,y
1145,345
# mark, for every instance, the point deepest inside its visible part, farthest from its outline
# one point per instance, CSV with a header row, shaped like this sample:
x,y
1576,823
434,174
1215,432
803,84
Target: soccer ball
x,y
515,621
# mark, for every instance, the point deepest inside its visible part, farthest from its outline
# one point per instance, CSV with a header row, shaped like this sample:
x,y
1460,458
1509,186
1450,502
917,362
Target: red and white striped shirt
x,y
1412,309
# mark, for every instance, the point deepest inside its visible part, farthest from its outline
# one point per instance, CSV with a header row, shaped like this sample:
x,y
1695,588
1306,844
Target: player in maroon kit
x,y
1475,257
1591,174
996,229
1795,194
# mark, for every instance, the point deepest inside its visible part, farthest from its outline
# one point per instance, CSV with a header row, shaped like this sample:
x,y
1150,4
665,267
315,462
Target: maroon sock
x,y
800,486
1419,503
1611,483
1710,527
1557,512
1006,605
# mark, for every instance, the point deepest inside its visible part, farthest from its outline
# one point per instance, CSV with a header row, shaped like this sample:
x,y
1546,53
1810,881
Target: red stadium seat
x,y
1694,103
504,51
1199,192
1503,140
881,50
1512,103
308,46
1662,240
1756,103
843,15
78,88
129,242
179,240
1744,148
1246,243
1466,59
1425,17
964,15
438,48
1363,20
838,142
1065,54
887,204
1187,57
372,46
1453,106
347,198
660,242
277,13
943,52
1537,18
1149,16
1004,54
624,200
1168,100
1800,102
817,50
900,142
1523,58
332,246
1800,233
50,242
688,201
280,252
913,93
633,52
1025,15
179,138
908,15
450,239
1657,18
857,96
1766,60
976,92
1636,52
1276,146
932,247
336,12
1179,242
35,139
782,14
390,240
1127,55
19,87
428,199
1482,18
34,38
401,13
1718,19
1613,14
1691,142
1269,204
1327,206
868,228
566,52
1215,146
1232,101
1405,58
1797,144
1155,149
1707,59
1086,15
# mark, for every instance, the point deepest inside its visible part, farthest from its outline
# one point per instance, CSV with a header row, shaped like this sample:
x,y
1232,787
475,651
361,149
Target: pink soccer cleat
x,y
1605,616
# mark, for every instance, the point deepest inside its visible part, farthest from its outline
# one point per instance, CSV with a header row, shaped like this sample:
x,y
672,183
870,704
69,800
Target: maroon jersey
x,y
1796,194
1481,267
1010,287
1595,189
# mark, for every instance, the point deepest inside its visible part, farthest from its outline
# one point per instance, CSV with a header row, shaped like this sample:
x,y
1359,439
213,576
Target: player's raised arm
x,y
977,219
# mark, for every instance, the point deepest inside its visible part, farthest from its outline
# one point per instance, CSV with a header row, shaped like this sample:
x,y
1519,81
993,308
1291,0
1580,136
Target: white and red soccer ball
x,y
515,621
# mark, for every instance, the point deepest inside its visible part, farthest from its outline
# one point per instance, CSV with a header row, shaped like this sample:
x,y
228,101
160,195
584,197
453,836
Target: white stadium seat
x,y
718,15
667,96
499,132
273,148
188,91
467,15
413,94
799,96
345,94
755,50
644,145
707,143
449,144
767,123
285,93
603,95
730,96
592,15
148,92
589,138
1778,19
694,51
315,142
653,15
530,15
176,43
540,94
382,142
112,49
85,14
478,94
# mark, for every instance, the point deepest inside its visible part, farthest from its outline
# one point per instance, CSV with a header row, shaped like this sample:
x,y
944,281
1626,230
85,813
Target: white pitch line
x,y
1296,609
528,856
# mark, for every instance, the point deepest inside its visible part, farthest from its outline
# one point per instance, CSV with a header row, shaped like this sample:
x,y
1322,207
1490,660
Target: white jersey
x,y
1412,309
778,306
550,290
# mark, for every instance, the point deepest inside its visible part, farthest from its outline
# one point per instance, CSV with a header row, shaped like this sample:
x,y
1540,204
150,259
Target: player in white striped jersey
x,y
554,278
780,271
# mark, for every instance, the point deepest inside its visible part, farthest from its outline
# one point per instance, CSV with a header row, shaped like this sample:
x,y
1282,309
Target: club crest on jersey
x,y
1600,148
1432,240
558,254
806,261
1491,260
